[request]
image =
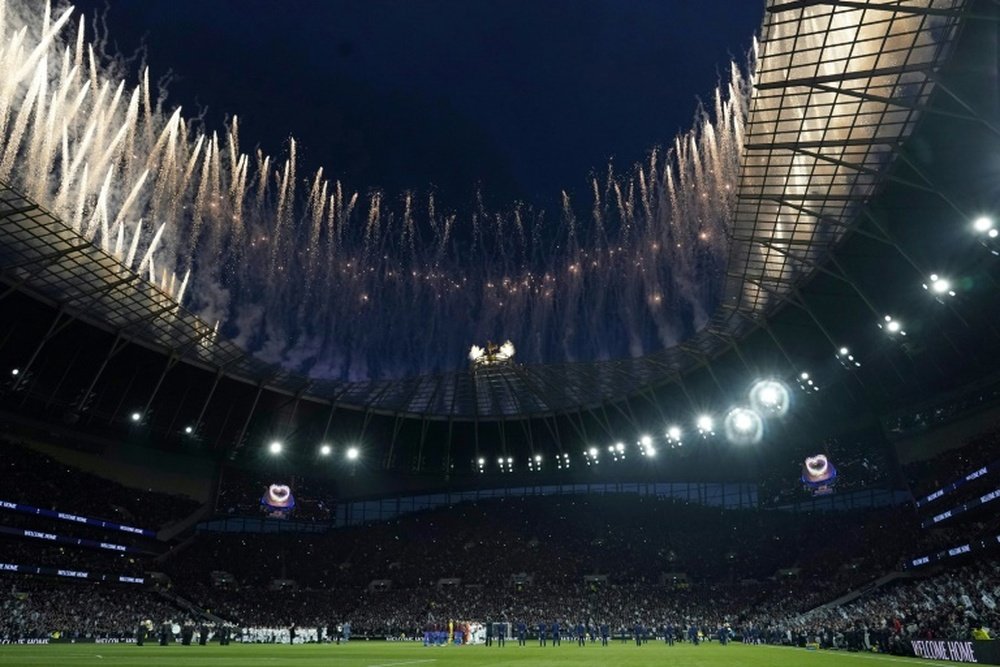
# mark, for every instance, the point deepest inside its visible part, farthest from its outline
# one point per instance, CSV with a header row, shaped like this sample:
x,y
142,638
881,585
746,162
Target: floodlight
x,y
325,450
620,447
481,462
646,441
674,432
538,458
136,416
352,454
705,423
593,452
804,375
15,372
983,224
742,420
275,447
769,397
189,430
892,326
744,426
940,286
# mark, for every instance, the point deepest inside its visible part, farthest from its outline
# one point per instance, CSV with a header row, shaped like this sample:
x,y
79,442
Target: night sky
x,y
520,98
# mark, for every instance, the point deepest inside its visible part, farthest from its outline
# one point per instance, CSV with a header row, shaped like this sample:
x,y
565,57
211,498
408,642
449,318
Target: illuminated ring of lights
x,y
279,495
817,468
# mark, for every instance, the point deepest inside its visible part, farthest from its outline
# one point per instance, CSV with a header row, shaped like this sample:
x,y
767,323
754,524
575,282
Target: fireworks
x,y
333,283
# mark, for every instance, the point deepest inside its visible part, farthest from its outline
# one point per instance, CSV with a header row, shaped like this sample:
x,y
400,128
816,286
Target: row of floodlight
x,y
742,424
986,228
939,286
277,447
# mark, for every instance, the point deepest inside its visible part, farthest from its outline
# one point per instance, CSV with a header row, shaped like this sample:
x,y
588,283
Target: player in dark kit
x,y
165,632
541,634
522,633
581,634
489,634
556,636
501,634
202,634
604,634
187,633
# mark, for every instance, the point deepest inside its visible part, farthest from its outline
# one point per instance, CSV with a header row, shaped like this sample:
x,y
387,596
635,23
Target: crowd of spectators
x,y
948,605
953,604
558,539
959,603
943,410
46,554
528,558
34,608
32,478
927,475
623,561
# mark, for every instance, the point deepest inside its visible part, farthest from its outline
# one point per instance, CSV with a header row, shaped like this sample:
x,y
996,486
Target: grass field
x,y
379,654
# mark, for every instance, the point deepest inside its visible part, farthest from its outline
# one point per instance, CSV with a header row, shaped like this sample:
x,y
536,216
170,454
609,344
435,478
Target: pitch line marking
x,y
405,662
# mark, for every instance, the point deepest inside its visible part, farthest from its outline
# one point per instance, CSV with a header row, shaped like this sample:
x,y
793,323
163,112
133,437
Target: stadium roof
x,y
839,86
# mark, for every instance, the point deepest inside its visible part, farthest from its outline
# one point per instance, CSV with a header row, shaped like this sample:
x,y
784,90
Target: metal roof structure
x,y
839,86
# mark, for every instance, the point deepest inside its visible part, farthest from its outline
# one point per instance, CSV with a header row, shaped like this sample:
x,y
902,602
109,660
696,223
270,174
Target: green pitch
x,y
380,654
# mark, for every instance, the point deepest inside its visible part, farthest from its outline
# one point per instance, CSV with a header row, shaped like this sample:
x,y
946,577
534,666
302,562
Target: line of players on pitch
x,y
497,633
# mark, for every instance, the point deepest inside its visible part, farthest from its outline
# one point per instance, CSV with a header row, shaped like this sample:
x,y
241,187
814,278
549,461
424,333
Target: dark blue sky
x,y
525,97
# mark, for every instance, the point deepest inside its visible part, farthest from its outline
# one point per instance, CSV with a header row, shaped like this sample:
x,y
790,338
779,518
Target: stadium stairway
x,y
175,549
188,606
853,595
171,531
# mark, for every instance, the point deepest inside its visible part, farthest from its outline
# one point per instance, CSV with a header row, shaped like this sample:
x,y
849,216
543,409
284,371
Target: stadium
x,y
738,404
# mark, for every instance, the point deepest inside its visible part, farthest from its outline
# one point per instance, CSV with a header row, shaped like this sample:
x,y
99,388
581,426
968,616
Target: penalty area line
x,y
405,662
